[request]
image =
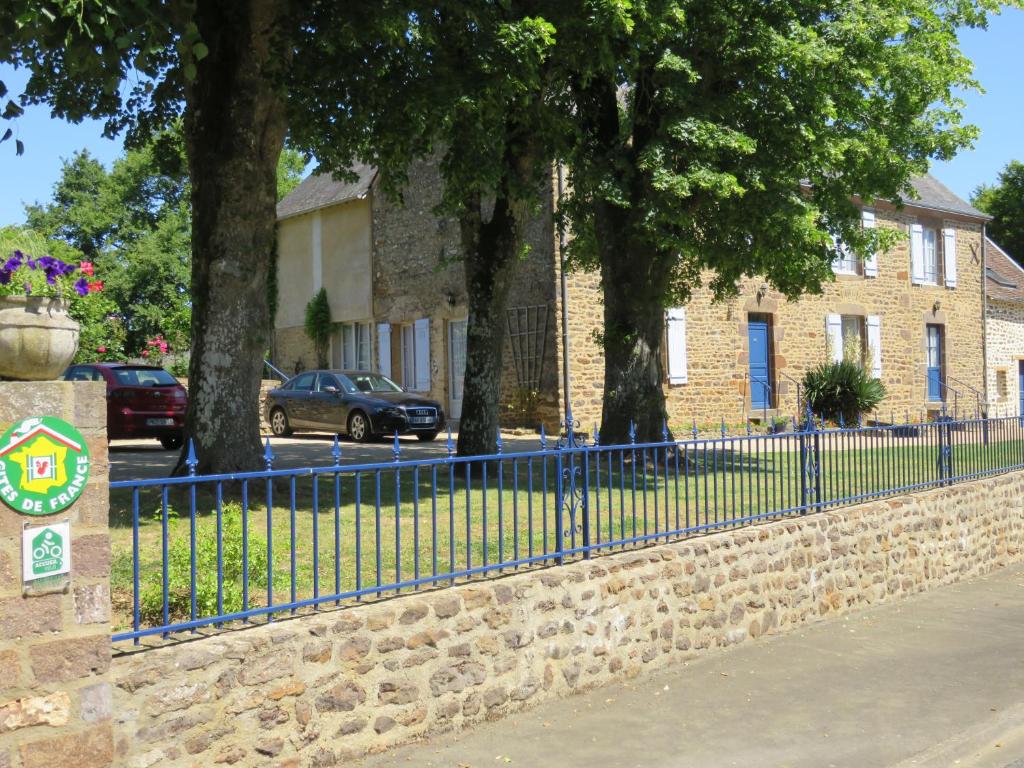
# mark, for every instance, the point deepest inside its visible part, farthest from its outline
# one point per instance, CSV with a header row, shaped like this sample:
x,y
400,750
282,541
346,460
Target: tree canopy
x,y
1004,202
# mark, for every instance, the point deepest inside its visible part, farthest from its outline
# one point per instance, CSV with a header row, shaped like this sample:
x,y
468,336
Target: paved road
x,y
143,459
931,682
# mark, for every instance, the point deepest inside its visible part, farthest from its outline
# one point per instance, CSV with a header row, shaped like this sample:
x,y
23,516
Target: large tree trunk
x,y
634,328
633,274
234,131
491,250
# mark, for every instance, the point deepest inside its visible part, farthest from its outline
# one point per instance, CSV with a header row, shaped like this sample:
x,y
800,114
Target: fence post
x,y
802,436
559,503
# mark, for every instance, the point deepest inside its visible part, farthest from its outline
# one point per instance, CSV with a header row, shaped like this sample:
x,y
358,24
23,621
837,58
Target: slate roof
x,y
933,194
320,190
1004,278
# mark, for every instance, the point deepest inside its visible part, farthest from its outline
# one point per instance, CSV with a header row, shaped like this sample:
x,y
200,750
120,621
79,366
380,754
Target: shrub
x,y
843,389
151,598
318,325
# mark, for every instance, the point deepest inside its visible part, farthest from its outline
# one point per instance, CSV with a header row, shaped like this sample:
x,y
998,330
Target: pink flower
x,y
145,353
86,267
95,286
101,349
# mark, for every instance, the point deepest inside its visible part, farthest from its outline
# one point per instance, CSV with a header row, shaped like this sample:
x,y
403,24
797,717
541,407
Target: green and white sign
x,y
44,466
45,551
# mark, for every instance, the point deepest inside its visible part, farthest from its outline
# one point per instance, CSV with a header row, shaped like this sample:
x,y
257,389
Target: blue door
x,y
934,362
1020,386
760,371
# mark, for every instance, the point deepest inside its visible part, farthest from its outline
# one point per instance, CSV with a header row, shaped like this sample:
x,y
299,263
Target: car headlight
x,y
391,411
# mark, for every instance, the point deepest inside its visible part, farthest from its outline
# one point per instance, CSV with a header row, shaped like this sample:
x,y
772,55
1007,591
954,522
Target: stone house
x,y
914,313
1004,332
397,293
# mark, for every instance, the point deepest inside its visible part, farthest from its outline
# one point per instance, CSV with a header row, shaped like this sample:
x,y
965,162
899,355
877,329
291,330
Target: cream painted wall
x,y
345,241
341,234
294,270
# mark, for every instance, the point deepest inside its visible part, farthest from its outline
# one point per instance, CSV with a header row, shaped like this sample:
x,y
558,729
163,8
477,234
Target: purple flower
x,y
5,276
81,285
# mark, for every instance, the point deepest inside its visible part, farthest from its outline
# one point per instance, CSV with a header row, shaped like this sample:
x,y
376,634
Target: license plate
x,y
421,420
159,422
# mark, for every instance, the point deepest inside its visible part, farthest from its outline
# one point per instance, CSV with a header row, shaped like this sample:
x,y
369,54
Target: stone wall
x,y
418,272
321,690
1004,347
55,695
716,334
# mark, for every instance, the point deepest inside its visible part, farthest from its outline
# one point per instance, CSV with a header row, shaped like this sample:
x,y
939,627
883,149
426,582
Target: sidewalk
x,y
935,680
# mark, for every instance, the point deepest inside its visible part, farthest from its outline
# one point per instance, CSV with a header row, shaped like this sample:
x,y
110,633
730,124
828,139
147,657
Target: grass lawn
x,y
329,534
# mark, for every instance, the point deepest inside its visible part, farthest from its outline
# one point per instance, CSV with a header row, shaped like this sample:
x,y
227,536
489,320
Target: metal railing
x,y
249,546
979,398
281,375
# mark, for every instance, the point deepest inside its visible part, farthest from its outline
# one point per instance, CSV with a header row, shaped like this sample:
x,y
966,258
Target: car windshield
x,y
368,382
144,377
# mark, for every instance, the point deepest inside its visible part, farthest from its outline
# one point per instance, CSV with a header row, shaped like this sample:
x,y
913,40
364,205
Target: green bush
x,y
151,596
318,325
843,389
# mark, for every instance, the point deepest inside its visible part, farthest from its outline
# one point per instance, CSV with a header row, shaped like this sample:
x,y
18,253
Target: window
x,y
932,258
415,349
855,338
355,346
144,377
847,262
302,383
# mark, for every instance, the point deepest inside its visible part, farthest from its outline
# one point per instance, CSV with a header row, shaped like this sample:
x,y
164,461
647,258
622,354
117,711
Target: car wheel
x,y
172,443
279,423
359,427
426,437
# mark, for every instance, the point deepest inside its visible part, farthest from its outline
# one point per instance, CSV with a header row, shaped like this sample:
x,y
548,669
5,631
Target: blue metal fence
x,y
255,544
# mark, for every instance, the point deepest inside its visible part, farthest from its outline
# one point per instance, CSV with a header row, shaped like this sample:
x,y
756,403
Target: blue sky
x,y
999,112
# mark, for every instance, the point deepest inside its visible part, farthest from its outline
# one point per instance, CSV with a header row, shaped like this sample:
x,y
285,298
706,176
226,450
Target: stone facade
x,y
1004,332
323,689
718,386
55,696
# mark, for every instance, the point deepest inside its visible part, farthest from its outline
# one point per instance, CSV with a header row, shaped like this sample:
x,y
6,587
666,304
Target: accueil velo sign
x,y
44,466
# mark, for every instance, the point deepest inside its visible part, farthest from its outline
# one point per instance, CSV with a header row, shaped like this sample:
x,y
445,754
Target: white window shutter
x,y
423,355
384,349
871,263
916,254
874,326
949,256
676,319
834,334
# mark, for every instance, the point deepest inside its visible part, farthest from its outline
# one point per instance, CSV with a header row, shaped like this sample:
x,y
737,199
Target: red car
x,y
142,401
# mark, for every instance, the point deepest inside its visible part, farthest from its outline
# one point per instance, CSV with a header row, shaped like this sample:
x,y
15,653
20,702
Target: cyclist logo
x,y
47,552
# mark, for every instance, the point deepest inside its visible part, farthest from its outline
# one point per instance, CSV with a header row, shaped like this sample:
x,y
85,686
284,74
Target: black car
x,y
358,403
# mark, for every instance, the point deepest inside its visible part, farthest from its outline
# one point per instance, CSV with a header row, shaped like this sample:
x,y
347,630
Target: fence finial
x,y
268,455
723,426
543,438
664,430
860,420
632,432
191,461
750,430
796,425
810,425
597,435
498,444
336,451
694,429
450,445
842,421
396,450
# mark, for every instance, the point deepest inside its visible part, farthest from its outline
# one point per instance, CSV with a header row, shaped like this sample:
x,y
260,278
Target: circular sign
x,y
44,466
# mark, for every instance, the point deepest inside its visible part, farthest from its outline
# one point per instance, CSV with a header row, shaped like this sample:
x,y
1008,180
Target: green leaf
x,y
19,147
7,134
200,51
189,70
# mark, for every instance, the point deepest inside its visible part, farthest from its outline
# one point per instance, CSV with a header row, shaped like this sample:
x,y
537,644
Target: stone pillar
x,y
55,650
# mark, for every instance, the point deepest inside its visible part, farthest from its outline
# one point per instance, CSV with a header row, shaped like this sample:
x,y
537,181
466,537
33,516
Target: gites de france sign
x,y
44,466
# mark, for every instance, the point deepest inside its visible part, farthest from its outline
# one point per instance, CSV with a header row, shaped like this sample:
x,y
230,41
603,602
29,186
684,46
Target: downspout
x,y
984,316
566,398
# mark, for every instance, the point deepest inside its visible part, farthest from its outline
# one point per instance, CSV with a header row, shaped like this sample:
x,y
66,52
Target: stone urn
x,y
38,339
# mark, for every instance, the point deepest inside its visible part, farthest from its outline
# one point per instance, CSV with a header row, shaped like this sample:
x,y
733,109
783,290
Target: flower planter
x,y
38,339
